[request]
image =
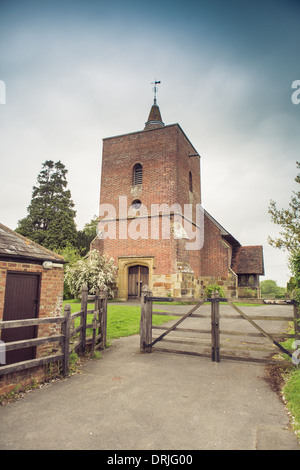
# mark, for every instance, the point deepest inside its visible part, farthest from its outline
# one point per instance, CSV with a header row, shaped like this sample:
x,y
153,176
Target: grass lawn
x,y
291,393
122,320
291,389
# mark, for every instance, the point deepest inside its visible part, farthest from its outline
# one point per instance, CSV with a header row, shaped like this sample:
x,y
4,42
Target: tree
x,y
270,287
87,235
295,268
50,220
289,219
94,271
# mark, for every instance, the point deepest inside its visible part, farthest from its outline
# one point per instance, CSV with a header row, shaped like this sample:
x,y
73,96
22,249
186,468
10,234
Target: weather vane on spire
x,y
155,89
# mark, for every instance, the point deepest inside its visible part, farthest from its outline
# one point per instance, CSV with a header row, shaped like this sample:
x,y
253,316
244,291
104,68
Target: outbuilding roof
x,y
14,245
248,260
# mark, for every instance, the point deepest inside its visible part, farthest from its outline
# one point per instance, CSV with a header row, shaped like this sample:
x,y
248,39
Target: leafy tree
x,y
291,285
94,270
50,220
289,219
295,267
87,235
270,287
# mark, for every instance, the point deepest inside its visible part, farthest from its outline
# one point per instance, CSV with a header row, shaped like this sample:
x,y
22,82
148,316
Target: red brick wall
x,y
163,250
164,155
216,253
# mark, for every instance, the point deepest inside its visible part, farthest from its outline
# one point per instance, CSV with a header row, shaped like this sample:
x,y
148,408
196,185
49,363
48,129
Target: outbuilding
x,y
31,286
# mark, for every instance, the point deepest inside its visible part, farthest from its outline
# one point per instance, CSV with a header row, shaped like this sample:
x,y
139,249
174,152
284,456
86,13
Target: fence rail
x,y
65,339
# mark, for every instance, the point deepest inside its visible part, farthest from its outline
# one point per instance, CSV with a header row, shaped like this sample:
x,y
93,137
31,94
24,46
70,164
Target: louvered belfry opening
x,y
137,174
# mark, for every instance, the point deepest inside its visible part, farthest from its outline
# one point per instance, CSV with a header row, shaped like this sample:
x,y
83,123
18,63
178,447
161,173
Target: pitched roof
x,y
225,234
248,260
14,245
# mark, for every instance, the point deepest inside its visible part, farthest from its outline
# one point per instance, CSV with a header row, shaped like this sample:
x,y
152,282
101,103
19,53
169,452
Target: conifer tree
x,y
50,220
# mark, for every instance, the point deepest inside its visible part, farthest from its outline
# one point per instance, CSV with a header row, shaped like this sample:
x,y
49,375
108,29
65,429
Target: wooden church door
x,y
138,276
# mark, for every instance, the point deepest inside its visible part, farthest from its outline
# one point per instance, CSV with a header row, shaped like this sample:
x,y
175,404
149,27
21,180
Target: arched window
x,y
137,176
190,182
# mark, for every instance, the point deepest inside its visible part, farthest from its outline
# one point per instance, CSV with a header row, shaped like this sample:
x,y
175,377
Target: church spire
x,y
154,118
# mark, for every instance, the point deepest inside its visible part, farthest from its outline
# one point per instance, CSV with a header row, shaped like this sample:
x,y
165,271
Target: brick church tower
x,y
152,222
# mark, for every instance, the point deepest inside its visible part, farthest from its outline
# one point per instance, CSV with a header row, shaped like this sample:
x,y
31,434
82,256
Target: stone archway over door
x,y
138,276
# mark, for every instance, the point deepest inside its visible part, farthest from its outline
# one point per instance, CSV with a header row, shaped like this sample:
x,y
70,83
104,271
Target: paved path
x,y
129,400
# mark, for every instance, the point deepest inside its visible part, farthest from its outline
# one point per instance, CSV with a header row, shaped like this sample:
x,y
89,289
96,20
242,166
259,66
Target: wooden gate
x,y
207,333
21,302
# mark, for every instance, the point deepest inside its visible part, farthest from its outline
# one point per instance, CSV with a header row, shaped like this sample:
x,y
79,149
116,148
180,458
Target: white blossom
x,y
94,271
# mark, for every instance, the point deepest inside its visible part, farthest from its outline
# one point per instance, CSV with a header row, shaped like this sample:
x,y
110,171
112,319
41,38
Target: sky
x,y
75,72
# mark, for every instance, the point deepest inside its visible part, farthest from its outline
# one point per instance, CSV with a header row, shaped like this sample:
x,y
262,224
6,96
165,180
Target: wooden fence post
x,y
296,308
94,333
98,311
103,318
146,320
66,332
84,301
215,329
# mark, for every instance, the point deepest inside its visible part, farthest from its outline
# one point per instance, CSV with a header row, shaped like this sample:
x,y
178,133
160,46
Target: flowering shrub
x,y
95,270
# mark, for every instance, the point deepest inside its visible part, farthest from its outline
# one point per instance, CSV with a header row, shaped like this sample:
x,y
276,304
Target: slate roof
x,y
14,245
248,260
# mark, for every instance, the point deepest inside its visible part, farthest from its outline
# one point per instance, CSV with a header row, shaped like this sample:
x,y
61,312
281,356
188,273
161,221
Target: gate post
x,y
146,320
84,301
215,330
103,313
296,308
66,341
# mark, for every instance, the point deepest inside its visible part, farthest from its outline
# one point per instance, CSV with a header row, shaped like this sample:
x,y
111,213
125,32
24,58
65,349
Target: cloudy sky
x,y
76,72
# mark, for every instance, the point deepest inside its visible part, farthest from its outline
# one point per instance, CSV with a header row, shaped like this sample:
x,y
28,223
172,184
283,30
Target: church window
x,y
248,280
137,174
190,182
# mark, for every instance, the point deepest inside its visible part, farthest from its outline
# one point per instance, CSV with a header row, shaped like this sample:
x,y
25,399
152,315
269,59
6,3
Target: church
x,y
152,223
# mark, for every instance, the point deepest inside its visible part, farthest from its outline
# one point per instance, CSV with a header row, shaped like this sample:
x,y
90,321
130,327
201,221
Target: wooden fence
x,y
70,339
238,349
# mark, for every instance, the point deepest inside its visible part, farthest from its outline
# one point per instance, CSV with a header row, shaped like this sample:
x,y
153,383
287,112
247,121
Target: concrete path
x,y
129,400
